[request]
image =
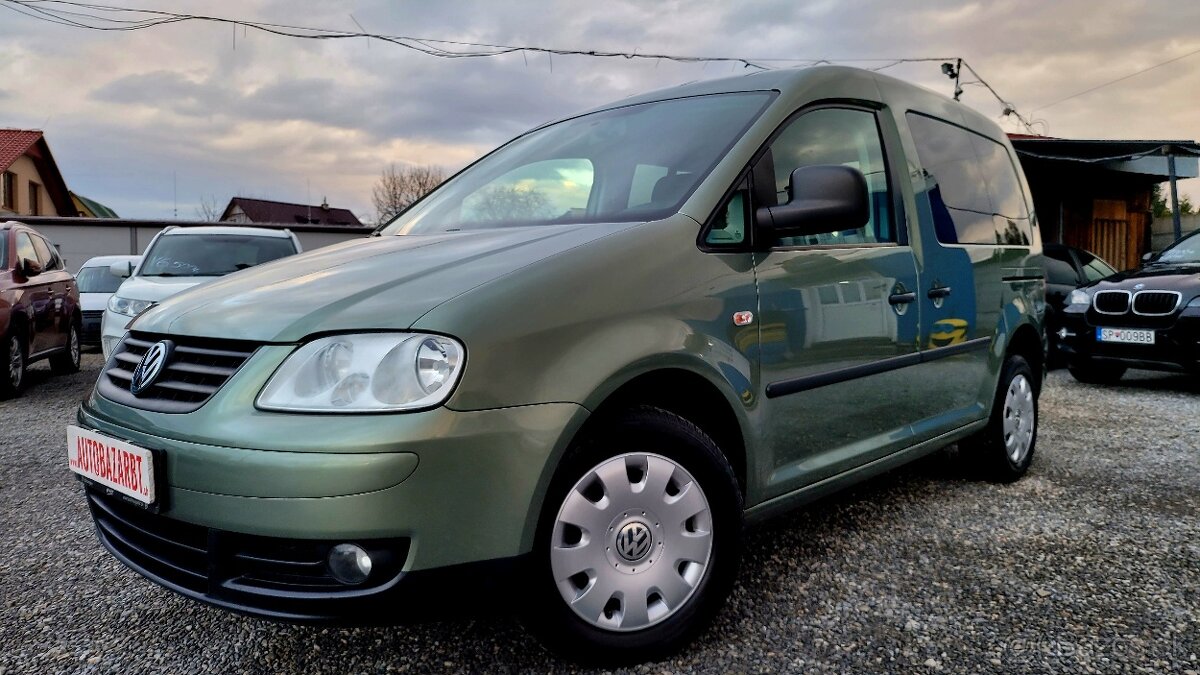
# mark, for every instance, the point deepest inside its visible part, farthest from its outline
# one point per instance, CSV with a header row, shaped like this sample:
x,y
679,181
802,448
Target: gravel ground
x,y
1089,564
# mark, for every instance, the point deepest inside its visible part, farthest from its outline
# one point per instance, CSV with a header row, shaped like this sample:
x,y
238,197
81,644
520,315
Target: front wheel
x,y
639,543
1003,450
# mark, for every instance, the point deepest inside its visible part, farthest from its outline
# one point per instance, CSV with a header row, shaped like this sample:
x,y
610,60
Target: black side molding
x,y
799,384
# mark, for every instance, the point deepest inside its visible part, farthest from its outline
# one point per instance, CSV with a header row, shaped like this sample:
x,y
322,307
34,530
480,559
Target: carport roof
x,y
1146,157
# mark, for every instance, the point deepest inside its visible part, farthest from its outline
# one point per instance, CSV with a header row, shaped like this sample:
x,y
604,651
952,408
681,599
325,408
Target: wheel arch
x,y
1026,343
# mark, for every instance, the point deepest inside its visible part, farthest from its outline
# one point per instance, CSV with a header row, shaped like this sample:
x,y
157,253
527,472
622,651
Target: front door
x,y
36,294
839,317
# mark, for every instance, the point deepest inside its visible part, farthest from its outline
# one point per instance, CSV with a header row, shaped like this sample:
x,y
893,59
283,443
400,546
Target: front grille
x,y
1111,302
197,368
1156,303
229,566
95,314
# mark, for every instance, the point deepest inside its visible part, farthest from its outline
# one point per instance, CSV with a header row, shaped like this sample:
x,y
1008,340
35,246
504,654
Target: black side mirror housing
x,y
30,268
1148,256
825,198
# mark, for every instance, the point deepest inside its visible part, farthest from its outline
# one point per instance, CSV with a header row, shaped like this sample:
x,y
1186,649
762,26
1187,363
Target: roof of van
x,y
826,82
228,229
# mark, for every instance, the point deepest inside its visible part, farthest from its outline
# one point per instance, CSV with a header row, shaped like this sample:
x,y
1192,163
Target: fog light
x,y
349,564
1063,334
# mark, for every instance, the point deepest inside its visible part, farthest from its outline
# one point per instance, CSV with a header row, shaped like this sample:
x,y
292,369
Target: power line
x,y
1119,79
95,16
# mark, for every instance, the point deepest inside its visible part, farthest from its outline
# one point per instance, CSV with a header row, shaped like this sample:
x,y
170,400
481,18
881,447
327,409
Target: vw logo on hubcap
x,y
634,541
150,367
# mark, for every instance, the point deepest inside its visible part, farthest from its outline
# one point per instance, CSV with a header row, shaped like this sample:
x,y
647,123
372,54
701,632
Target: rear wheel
x,y
12,358
1094,373
1003,450
639,543
67,362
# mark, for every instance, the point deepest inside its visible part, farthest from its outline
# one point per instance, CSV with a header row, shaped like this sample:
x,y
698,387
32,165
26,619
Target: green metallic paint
x,y
554,320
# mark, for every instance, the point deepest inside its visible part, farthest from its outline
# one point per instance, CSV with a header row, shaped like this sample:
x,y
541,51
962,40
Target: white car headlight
x,y
368,372
1195,302
128,306
1079,297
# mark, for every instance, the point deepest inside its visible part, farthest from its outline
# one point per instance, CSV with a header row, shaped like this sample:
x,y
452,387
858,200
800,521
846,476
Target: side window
x,y
958,194
1094,268
1060,272
25,248
47,254
837,136
1004,187
729,223
551,189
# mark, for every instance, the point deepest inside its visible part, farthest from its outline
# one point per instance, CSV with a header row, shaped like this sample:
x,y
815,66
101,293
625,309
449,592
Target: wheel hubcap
x,y
1019,418
15,361
74,346
631,542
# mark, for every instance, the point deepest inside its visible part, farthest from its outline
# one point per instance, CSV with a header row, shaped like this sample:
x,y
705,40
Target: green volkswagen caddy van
x,y
565,380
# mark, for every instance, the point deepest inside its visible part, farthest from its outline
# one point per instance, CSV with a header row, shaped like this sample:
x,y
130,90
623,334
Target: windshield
x,y
97,280
211,255
1186,251
635,163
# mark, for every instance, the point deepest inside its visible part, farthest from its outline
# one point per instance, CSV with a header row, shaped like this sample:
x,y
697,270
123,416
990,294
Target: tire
x,y
1003,451
599,528
1094,373
67,362
13,365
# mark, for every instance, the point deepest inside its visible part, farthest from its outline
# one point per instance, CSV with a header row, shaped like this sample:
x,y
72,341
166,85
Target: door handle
x,y
938,292
902,298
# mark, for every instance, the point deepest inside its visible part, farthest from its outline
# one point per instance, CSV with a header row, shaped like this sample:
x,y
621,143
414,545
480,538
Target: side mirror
x,y
825,198
1148,256
30,268
121,269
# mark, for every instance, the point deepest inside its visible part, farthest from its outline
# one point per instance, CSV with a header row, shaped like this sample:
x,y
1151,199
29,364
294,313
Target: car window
x,y
47,254
546,190
1093,267
972,184
627,164
25,248
97,280
836,136
3,250
1060,272
211,255
729,223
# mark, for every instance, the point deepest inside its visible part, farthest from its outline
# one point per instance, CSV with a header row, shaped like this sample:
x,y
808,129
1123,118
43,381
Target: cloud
x,y
150,119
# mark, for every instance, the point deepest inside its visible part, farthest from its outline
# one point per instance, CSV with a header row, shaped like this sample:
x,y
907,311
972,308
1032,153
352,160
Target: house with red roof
x,y
30,182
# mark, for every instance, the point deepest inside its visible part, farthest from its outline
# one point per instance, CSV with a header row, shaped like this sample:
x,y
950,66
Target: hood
x,y
1182,278
93,302
379,283
156,289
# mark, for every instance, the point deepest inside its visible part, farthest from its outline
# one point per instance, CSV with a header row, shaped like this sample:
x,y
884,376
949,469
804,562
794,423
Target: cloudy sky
x,y
153,122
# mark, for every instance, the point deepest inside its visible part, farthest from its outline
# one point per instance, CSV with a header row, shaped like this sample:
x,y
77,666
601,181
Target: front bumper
x,y
1176,345
287,580
444,490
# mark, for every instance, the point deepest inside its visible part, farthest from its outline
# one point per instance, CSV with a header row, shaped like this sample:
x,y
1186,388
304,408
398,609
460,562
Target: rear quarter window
x,y
972,183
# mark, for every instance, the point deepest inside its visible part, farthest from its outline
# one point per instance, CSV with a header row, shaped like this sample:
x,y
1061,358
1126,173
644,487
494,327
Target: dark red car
x,y
39,307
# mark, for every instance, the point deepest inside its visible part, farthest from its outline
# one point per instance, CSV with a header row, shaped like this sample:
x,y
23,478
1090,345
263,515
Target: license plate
x,y
1125,335
117,465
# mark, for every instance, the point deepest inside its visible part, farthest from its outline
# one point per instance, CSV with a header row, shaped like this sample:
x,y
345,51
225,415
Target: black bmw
x,y
1144,318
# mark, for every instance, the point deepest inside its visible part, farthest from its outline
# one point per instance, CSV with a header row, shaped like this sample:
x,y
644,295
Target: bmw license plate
x,y
1125,335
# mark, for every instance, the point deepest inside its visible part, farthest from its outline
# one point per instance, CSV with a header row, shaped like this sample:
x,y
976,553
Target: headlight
x,y
370,372
1195,302
128,306
1079,297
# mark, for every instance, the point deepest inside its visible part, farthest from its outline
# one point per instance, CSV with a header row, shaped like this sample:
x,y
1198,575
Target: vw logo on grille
x,y
634,541
150,367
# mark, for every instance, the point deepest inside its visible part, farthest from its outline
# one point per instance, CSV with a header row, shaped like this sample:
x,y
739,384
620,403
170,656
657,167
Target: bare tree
x,y
509,202
209,209
399,187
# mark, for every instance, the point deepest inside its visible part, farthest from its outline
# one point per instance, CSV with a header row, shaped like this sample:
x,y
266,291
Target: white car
x,y
96,286
181,257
